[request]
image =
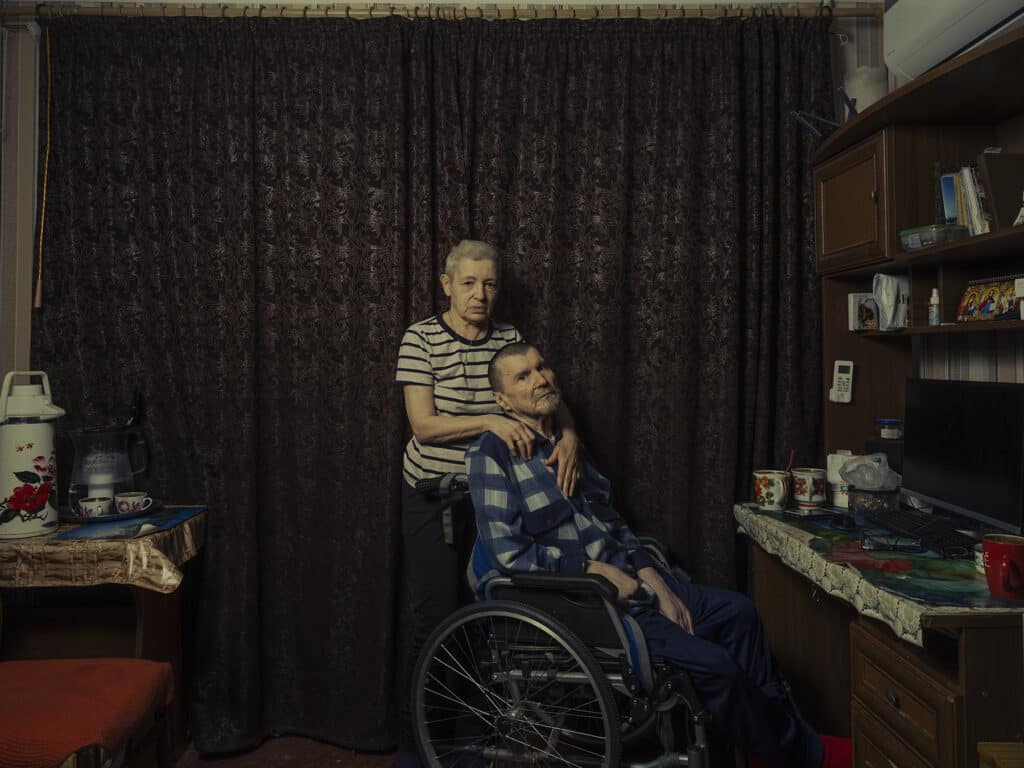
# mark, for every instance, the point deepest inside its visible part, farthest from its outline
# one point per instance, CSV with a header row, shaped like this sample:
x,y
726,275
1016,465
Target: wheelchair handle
x,y
443,486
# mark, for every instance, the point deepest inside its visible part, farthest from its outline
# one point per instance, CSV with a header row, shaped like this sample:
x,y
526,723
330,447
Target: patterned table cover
x,y
906,591
150,562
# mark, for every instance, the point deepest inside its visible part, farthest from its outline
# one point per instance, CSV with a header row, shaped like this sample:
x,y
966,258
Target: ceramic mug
x,y
132,502
771,489
1004,565
809,486
95,506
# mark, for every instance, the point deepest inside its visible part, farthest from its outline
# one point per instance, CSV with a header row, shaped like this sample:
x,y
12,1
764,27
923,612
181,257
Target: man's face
x,y
473,290
528,386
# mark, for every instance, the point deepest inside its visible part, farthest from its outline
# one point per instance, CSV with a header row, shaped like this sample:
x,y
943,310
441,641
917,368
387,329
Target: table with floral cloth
x,y
908,592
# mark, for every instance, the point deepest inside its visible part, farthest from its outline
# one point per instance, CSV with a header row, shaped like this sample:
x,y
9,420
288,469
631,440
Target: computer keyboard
x,y
934,532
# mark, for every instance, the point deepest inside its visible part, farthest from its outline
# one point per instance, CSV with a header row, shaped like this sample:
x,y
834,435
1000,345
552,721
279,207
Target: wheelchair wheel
x,y
502,684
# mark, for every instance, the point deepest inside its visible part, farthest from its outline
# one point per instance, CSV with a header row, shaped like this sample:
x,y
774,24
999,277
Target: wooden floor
x,y
289,752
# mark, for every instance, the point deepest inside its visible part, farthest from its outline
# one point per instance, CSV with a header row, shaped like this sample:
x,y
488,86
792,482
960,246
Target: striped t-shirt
x,y
433,355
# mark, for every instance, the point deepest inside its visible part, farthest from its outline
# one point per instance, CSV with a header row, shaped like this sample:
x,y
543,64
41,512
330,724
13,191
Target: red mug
x,y
1004,565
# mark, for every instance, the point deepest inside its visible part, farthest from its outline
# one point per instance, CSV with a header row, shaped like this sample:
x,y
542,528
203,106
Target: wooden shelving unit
x,y
873,178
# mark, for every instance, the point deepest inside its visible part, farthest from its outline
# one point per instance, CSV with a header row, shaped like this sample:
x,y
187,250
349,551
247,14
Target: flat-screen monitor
x,y
963,449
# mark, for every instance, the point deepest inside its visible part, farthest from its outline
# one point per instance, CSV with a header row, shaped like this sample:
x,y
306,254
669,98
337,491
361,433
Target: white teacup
x,y
95,506
132,502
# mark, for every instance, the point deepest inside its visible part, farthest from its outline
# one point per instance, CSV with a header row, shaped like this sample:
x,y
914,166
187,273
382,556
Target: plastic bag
x,y
870,473
892,295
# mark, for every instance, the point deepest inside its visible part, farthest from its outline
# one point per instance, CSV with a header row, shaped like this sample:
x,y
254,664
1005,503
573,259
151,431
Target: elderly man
x,y
526,523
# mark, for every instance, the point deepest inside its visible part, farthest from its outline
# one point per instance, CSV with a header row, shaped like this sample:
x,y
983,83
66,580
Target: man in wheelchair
x,y
526,525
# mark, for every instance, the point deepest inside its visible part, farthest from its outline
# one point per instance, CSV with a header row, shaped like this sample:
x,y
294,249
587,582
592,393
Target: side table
x,y
150,566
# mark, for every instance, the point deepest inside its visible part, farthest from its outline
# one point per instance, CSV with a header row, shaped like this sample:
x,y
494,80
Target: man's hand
x,y
671,607
623,582
516,435
566,455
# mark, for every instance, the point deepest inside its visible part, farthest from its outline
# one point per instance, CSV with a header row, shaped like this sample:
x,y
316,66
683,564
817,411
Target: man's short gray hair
x,y
474,250
515,349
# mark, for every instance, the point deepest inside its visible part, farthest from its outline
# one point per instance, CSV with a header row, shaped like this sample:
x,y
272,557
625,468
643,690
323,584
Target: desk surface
x,y
907,592
150,562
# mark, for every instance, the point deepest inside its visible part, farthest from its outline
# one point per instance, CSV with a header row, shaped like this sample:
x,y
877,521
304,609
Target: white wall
x,y
18,171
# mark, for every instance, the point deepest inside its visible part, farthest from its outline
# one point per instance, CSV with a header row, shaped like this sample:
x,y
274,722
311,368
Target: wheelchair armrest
x,y
444,486
655,548
659,552
562,582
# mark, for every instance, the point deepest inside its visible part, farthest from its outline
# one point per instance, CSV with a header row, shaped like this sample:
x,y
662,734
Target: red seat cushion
x,y
53,707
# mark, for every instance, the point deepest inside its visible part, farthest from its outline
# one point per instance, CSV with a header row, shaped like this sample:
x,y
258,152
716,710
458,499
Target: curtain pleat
x,y
245,214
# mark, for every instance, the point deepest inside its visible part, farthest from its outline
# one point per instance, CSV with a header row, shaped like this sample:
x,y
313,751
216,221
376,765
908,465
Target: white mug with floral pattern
x,y
771,489
809,486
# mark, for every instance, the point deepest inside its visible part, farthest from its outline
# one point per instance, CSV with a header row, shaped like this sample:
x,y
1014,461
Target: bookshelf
x,y
874,177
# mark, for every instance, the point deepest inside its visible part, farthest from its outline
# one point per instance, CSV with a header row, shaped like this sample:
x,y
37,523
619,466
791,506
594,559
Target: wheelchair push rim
x,y
501,684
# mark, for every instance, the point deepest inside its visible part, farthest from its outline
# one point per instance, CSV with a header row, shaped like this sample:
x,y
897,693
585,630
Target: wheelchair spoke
x,y
455,699
558,758
503,684
460,670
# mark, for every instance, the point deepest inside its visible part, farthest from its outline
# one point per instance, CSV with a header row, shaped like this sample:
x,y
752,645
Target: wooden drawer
x,y
875,746
897,687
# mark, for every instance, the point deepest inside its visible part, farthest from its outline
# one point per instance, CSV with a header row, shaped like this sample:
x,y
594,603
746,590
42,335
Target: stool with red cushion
x,y
50,709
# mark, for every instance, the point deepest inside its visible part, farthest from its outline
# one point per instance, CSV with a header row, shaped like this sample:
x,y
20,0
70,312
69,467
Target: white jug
x,y
28,460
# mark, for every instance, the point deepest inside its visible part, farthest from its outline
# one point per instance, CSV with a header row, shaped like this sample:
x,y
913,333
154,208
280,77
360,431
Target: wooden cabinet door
x,y
809,634
851,205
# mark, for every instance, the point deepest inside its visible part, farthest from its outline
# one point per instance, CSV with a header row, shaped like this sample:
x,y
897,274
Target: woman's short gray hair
x,y
474,250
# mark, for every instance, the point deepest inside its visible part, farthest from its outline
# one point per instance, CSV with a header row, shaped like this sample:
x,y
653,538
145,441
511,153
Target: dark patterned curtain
x,y
243,215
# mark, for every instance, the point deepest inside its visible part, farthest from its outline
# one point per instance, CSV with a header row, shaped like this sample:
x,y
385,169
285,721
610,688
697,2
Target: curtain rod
x,y
436,11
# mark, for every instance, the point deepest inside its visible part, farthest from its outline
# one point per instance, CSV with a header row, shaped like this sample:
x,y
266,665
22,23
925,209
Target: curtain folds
x,y
244,215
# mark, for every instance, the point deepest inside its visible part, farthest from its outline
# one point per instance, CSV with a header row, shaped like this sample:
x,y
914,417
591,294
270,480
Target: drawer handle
x,y
892,698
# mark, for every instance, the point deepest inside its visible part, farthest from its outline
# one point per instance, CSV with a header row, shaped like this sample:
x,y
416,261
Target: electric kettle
x,y
103,464
28,461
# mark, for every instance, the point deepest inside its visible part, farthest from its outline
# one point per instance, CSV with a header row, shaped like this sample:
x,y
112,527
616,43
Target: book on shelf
x,y
976,221
985,207
947,194
1002,175
961,197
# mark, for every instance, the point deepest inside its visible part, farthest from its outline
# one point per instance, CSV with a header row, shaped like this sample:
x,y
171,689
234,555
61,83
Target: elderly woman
x,y
442,367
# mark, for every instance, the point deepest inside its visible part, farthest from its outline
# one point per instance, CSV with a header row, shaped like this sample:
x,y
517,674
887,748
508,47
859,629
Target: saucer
x,y
808,511
66,515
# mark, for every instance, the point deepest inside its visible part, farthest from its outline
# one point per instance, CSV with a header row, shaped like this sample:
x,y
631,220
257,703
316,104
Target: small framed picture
x,y
991,299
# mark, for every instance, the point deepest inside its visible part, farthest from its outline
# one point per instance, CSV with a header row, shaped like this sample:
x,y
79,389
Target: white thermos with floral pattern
x,y
28,461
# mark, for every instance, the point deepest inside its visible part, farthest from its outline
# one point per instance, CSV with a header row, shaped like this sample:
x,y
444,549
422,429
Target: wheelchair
x,y
548,670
